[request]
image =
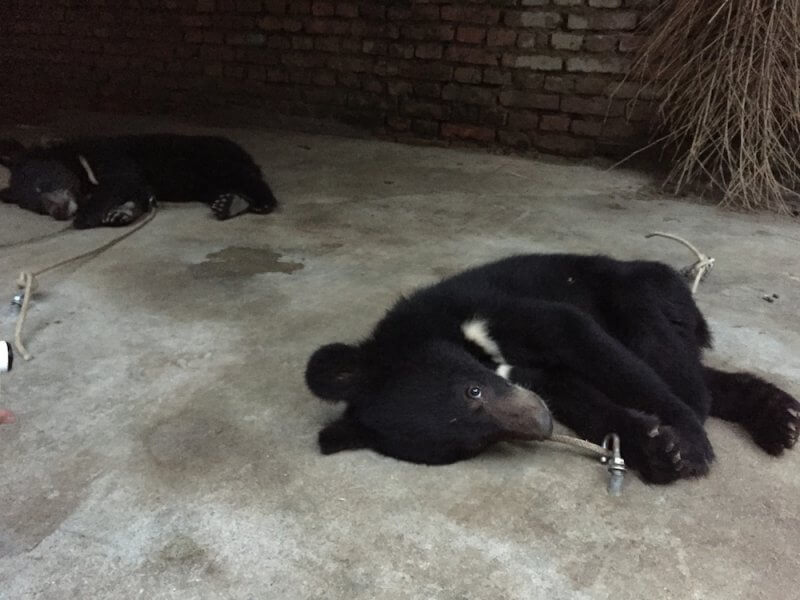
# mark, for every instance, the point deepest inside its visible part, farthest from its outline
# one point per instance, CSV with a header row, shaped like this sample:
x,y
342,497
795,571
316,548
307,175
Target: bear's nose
x,y
521,414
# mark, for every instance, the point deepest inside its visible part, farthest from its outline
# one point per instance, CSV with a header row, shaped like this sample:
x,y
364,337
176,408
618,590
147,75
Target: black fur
x,y
610,346
130,172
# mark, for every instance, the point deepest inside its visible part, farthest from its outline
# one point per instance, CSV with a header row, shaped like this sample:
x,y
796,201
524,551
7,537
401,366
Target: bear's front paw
x,y
124,214
229,205
663,453
777,421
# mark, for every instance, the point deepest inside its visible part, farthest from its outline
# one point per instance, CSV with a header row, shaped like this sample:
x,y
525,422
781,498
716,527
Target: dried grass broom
x,y
727,73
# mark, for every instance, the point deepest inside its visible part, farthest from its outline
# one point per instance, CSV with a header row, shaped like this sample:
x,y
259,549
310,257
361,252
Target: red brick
x,y
601,43
523,119
521,99
464,113
375,47
401,50
587,127
591,106
536,62
554,123
425,110
494,116
528,80
469,94
590,64
566,41
603,21
468,132
494,76
464,14
323,9
501,37
248,6
591,86
559,84
425,12
328,44
467,54
325,78
275,7
302,42
428,51
470,35
467,75
631,43
429,32
348,80
299,7
398,13
372,84
399,88
372,10
347,10
352,64
537,39
328,26
428,89
620,129
546,20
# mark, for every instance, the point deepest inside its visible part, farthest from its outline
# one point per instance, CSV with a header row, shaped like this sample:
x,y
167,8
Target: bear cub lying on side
x,y
112,181
490,354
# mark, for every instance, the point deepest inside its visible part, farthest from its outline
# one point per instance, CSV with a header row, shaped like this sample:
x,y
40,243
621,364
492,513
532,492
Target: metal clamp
x,y
6,357
615,462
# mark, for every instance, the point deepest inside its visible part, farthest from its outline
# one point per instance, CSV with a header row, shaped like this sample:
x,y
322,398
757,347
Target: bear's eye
x,y
474,392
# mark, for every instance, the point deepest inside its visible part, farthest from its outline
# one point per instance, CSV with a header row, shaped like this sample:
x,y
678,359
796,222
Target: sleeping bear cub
x,y
112,181
490,354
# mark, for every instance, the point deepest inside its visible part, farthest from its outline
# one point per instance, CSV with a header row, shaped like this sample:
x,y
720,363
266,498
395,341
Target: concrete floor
x,y
165,443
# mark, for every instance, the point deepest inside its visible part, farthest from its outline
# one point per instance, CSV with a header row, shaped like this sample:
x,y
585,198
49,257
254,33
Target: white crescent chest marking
x,y
88,168
477,332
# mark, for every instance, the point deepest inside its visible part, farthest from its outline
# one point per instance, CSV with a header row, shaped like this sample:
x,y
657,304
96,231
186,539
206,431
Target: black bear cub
x,y
489,354
112,181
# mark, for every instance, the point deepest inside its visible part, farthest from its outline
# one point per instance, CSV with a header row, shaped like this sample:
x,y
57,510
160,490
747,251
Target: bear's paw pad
x,y
124,214
229,205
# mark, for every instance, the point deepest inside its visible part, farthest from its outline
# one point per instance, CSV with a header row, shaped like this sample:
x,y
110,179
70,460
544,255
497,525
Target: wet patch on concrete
x,y
192,441
240,261
182,550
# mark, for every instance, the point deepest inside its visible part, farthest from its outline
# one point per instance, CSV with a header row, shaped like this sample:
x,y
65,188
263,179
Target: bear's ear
x,y
336,372
342,434
11,152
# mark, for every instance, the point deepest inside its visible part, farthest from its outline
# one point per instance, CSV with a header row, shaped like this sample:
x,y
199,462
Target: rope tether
x,y
27,280
697,270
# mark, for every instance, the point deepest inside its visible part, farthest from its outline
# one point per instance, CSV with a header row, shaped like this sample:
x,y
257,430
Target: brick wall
x,y
524,74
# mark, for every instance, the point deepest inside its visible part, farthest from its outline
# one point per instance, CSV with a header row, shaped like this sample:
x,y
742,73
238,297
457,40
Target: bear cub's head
x,y
43,186
437,405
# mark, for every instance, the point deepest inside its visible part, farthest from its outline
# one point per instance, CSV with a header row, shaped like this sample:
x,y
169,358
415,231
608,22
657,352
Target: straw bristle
x,y
728,76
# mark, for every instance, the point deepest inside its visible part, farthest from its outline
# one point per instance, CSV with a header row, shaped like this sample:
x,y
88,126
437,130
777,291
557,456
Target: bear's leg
x,y
227,205
658,451
673,358
654,315
246,195
123,214
768,413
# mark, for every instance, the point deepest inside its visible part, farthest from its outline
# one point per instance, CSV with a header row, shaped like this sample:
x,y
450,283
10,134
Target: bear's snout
x,y
522,415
